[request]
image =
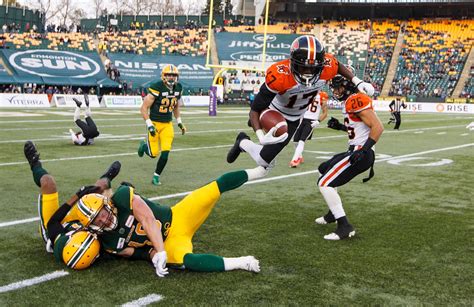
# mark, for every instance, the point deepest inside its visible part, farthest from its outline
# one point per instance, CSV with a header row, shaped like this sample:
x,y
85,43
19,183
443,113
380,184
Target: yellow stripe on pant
x,y
188,215
162,140
47,205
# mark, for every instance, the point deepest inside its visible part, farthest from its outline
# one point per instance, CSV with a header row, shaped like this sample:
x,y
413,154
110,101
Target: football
x,y
272,118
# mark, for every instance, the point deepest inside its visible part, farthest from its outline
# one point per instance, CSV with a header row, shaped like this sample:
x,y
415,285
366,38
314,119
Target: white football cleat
x,y
252,264
320,220
343,232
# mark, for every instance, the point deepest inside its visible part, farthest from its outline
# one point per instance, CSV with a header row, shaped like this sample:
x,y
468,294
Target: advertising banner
x,y
249,46
141,70
195,101
56,67
122,101
66,101
424,107
24,100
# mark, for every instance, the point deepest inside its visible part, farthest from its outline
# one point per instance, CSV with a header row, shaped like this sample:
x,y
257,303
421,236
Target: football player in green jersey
x,y
134,227
162,100
63,234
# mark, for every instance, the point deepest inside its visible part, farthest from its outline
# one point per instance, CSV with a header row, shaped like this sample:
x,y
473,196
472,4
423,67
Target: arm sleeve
x,y
391,104
55,228
263,99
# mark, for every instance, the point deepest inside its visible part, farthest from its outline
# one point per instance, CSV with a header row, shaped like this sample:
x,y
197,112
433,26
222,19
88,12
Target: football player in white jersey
x,y
317,111
364,129
290,86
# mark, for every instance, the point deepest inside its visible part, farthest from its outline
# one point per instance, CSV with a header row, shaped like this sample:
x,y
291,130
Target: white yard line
x,y
111,155
16,222
144,301
32,281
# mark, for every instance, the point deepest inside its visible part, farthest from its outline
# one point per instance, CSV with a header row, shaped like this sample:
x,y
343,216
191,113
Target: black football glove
x,y
87,189
152,130
357,156
360,154
334,123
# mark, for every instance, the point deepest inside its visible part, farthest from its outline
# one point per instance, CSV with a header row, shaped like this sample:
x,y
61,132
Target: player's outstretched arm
x,y
152,228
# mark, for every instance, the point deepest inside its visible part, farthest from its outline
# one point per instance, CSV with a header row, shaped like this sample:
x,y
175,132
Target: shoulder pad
x,y
279,78
331,66
358,102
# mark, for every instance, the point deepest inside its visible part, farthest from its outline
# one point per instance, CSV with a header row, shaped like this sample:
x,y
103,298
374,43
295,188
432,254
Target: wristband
x,y
260,134
368,144
356,80
148,123
178,120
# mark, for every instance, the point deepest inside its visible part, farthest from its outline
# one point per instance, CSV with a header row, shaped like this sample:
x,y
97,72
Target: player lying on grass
x,y
364,130
61,231
88,127
134,227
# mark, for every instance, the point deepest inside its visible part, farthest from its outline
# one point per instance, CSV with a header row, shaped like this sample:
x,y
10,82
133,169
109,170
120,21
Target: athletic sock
x,y
256,173
204,263
298,150
342,221
333,201
77,114
254,151
38,172
88,111
160,165
232,180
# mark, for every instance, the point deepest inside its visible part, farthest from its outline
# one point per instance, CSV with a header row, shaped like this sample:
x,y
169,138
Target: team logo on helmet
x,y
81,250
307,57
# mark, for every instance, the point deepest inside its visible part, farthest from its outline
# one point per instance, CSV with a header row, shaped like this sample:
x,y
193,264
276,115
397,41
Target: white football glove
x,y
363,86
314,123
159,261
268,139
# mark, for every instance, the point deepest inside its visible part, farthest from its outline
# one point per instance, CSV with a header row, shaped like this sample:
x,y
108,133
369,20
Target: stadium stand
x,y
468,90
432,57
348,40
165,42
52,41
382,41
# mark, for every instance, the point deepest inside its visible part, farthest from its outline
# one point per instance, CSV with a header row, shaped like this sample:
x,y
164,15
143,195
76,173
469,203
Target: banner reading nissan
x,y
140,70
56,67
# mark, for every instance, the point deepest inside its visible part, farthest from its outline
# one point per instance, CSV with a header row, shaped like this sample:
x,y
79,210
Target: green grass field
x,y
414,219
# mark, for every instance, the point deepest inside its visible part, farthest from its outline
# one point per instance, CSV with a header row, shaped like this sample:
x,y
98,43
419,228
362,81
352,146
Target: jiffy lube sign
x,y
249,46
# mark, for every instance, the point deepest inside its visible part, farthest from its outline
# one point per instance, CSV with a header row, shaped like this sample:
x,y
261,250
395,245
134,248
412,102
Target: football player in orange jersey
x,y
290,86
364,129
317,111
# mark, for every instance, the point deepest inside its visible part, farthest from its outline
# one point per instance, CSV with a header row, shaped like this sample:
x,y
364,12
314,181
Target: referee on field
x,y
395,106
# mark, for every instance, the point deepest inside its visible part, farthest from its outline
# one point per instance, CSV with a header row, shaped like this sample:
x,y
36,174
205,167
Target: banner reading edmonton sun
x,y
56,67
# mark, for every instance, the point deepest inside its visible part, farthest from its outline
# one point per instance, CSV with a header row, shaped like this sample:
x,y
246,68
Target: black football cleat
x,y
112,171
32,154
341,232
86,100
325,219
78,103
235,150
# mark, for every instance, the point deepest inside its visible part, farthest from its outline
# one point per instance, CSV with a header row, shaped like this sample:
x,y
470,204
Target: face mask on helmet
x,y
170,75
96,212
307,59
341,88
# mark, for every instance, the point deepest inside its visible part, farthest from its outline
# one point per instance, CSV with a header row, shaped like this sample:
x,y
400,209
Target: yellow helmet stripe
x,y
81,251
84,209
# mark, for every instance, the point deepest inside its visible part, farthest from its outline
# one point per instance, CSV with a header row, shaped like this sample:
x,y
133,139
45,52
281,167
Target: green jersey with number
x,y
165,101
129,232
